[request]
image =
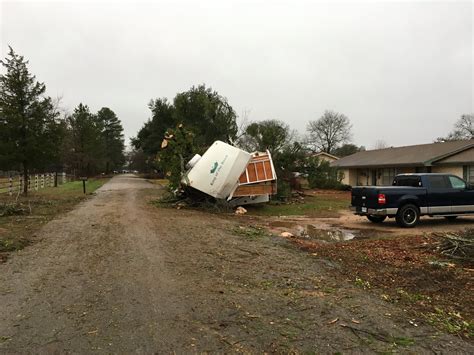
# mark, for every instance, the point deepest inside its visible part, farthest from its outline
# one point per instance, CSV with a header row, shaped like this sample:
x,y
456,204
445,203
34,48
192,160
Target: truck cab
x,y
412,196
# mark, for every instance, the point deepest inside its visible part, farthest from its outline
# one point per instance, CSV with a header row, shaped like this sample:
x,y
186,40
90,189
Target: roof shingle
x,y
414,155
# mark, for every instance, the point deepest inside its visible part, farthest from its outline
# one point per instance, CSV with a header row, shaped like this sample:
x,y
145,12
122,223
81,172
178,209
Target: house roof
x,y
414,155
326,154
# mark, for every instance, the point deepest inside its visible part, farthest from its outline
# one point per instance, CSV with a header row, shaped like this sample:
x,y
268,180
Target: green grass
x,y
19,219
452,322
250,232
72,188
313,206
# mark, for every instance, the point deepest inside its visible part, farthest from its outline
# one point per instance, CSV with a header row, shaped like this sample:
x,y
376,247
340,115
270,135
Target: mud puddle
x,y
322,232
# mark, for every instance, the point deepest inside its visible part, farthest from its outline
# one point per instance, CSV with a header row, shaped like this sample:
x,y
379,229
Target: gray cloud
x,y
401,71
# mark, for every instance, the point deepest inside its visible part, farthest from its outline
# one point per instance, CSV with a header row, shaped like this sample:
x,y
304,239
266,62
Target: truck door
x,y
462,198
439,194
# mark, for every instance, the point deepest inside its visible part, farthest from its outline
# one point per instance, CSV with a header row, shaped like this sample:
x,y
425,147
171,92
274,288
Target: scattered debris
x,y
14,209
441,264
286,235
333,321
240,210
457,245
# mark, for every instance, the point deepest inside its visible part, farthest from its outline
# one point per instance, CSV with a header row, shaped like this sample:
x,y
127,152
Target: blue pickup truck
x,y
412,196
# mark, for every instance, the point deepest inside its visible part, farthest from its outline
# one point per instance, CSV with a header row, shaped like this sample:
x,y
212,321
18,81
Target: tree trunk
x,y
107,168
25,178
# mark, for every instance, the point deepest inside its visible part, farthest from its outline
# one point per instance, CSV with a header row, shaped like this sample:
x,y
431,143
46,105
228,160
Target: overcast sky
x,y
401,71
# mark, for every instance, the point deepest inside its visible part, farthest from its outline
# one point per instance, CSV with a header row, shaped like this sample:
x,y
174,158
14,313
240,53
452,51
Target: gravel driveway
x,y
119,275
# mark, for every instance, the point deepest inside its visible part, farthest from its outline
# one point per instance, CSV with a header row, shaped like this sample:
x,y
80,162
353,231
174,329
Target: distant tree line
x,y
36,137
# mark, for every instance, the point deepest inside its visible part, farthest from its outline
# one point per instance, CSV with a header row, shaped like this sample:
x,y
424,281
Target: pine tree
x,y
112,137
85,151
28,120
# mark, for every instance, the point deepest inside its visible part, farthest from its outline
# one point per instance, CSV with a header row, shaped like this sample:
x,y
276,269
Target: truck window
x,y
457,183
438,182
410,181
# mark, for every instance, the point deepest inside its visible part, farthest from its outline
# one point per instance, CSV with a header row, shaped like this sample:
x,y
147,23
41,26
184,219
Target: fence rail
x,y
14,184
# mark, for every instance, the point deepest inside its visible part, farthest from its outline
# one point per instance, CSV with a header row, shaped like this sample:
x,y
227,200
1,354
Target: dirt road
x,y
118,275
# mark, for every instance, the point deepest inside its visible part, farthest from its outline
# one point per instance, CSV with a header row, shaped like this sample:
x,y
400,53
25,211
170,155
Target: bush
x,y
283,190
321,175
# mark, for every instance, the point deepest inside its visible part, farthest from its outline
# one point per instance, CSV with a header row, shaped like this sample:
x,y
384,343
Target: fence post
x,y
10,186
36,182
21,183
29,182
63,177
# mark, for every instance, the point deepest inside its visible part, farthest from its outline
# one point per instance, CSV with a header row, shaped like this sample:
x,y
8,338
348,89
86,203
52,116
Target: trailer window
x,y
410,181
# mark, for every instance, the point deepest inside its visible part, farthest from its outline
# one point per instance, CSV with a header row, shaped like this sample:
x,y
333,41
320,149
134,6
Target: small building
x,y
379,167
323,156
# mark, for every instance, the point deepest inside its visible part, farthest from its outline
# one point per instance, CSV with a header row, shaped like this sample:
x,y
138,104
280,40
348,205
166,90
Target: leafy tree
x,y
463,129
151,134
86,149
207,114
273,135
177,149
347,149
329,132
112,138
29,126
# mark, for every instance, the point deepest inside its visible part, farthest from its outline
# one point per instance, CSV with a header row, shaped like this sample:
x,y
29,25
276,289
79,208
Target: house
x,y
323,156
379,167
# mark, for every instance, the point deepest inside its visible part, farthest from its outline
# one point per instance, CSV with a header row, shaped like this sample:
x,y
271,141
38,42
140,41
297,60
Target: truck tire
x,y
376,219
408,216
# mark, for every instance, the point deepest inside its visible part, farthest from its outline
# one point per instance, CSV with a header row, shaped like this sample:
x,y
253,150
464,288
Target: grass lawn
x,y
20,219
320,205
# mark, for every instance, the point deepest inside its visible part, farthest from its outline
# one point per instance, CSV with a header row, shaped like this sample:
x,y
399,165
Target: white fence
x,y
15,184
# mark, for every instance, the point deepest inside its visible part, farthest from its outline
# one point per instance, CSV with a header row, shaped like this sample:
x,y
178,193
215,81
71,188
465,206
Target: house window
x,y
388,175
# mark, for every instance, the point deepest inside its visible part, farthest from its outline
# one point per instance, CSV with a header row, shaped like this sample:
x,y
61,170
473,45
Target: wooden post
x,y
36,182
10,187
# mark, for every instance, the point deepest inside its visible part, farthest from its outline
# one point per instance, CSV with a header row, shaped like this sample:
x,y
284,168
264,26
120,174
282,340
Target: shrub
x,y
321,175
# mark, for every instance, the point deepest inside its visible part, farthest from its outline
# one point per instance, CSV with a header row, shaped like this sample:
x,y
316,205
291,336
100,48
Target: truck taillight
x,y
381,199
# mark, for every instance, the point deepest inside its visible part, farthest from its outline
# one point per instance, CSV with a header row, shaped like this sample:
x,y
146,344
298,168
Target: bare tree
x,y
380,144
463,129
329,132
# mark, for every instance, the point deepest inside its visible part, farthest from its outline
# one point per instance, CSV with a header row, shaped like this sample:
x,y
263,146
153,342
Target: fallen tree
x,y
458,245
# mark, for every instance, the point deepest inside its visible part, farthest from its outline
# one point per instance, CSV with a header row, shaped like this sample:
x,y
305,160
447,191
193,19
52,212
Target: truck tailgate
x,y
364,197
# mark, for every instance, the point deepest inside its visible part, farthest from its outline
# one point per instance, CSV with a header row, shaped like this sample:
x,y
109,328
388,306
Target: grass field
x,y
21,218
321,205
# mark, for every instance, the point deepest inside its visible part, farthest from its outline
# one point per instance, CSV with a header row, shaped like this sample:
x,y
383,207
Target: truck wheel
x,y
376,219
408,216
451,218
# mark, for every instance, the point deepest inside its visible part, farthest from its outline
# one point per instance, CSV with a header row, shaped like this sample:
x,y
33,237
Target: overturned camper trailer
x,y
229,173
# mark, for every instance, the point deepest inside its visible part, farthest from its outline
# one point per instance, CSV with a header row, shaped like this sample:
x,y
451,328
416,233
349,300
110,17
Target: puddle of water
x,y
329,235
